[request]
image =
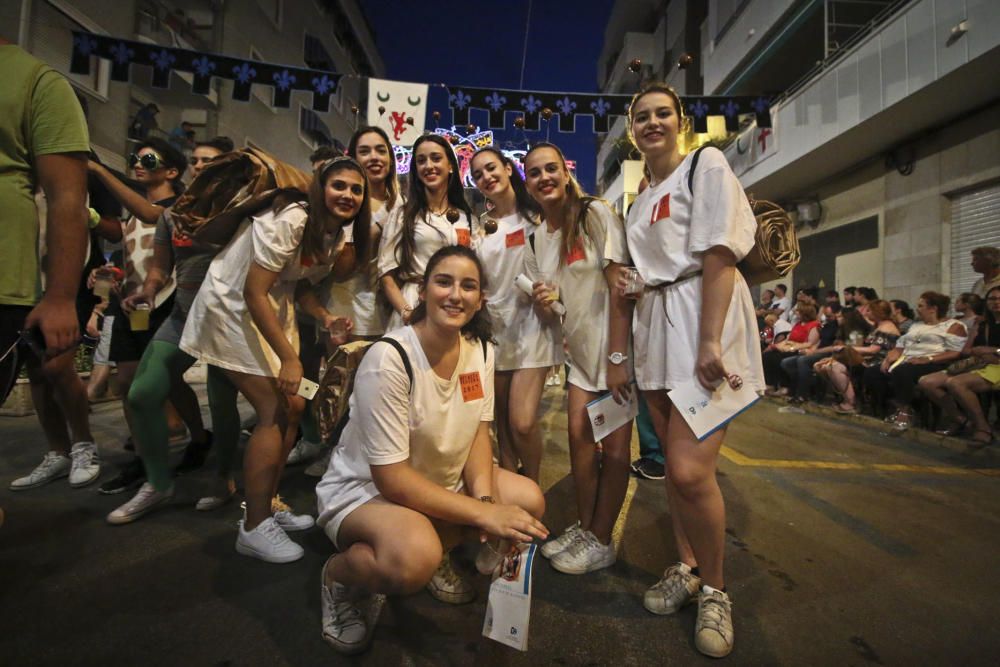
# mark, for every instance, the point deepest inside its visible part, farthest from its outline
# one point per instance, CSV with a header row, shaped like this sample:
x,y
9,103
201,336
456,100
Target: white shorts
x,y
665,331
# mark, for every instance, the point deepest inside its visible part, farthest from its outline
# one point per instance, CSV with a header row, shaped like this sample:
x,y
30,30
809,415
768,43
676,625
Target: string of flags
x,y
529,107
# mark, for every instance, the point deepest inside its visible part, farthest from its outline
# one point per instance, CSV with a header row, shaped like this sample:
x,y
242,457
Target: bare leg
x,y
582,455
933,386
525,392
965,388
612,483
841,380
63,399
97,384
505,444
659,411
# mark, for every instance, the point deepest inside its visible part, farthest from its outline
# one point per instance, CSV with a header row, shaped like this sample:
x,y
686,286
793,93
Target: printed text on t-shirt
x,y
472,386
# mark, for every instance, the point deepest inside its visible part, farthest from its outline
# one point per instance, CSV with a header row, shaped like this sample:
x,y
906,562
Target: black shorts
x,y
128,345
11,322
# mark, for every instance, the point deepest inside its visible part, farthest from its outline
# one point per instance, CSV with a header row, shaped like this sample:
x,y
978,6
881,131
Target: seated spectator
x,y
782,305
832,297
798,369
767,331
849,296
803,336
766,302
862,296
930,346
986,261
957,392
969,310
902,315
806,295
854,355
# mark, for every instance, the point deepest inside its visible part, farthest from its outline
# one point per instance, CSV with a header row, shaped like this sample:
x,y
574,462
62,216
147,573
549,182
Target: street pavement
x,y
844,547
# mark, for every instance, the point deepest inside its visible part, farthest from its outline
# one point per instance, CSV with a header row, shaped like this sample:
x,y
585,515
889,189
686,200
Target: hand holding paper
x,y
707,411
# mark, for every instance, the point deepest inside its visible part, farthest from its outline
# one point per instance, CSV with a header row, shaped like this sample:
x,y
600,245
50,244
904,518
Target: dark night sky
x,y
481,43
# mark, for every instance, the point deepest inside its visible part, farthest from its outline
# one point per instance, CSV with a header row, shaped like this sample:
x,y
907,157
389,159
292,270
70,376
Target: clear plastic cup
x,y
634,284
138,319
102,287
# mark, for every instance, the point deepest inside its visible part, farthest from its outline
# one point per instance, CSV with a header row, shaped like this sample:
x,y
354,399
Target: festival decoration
x,y
533,106
402,108
244,73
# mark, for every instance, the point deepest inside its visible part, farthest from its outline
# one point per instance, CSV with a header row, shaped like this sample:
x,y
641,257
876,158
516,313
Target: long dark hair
x,y
574,210
320,216
416,203
526,206
480,325
391,182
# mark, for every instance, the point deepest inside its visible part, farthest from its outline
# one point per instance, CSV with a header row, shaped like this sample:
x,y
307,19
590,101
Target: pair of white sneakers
x,y
578,551
82,466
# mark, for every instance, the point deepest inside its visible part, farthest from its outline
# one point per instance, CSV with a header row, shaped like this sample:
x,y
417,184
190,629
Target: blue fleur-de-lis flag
x,y
531,104
203,66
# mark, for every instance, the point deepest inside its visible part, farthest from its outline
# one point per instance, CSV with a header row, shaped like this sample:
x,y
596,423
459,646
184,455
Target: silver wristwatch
x,y
617,358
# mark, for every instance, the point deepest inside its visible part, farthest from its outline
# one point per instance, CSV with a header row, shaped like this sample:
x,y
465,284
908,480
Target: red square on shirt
x,y
577,253
515,239
472,386
661,210
464,238
181,240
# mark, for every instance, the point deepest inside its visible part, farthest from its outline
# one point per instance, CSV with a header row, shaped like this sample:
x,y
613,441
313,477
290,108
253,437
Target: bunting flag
x,y
399,108
203,66
534,105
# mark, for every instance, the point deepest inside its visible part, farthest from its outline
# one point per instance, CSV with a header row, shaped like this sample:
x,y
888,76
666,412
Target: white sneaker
x,y
268,542
584,554
348,625
86,466
713,631
554,546
450,586
289,521
144,501
677,588
318,467
303,451
52,467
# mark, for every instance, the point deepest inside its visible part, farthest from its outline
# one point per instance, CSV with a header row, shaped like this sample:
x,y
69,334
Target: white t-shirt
x,y
668,233
431,233
523,340
583,289
356,296
432,423
219,329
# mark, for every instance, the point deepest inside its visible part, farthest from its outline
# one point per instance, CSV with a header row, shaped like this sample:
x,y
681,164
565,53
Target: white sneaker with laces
x,y
713,631
303,451
348,624
554,546
584,554
86,466
144,501
677,588
450,586
289,521
268,542
52,467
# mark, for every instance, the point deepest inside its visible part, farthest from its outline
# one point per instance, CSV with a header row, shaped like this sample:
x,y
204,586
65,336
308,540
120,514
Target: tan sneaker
x,y
450,586
677,588
713,631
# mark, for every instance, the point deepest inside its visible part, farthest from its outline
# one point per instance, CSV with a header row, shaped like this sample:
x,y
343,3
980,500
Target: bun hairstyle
x,y
320,217
391,180
526,205
480,326
416,202
575,207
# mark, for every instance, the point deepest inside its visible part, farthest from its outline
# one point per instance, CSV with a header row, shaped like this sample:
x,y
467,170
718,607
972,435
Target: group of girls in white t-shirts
x,y
465,347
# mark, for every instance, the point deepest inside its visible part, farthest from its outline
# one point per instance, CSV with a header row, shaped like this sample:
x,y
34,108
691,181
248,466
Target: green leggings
x,y
161,373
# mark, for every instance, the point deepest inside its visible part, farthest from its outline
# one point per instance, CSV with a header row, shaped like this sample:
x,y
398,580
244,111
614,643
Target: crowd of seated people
x,y
936,365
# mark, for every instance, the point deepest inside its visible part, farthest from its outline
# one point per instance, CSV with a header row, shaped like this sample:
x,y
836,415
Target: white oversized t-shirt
x,y
431,233
583,289
523,339
220,330
431,424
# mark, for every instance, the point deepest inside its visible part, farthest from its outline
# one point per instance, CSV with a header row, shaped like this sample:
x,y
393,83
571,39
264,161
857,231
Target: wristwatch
x,y
487,499
617,358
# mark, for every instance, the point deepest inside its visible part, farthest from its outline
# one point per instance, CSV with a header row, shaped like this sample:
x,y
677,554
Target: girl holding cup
x,y
696,319
435,215
527,346
581,242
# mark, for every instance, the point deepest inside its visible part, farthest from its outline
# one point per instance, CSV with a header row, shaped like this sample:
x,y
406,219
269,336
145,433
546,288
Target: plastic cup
x,y
634,284
138,319
102,287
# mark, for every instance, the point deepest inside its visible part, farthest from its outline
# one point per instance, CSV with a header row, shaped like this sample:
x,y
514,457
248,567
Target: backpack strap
x,y
483,341
694,165
402,353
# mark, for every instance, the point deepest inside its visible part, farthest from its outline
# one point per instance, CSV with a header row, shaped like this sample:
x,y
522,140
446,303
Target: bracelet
x,y
487,499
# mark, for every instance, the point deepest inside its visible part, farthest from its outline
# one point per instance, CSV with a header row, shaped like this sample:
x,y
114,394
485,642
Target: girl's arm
x,y
258,284
310,304
129,198
718,279
478,471
395,295
156,277
619,325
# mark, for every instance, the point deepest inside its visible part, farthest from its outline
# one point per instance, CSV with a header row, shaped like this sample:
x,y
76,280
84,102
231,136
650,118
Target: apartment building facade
x,y
323,34
885,142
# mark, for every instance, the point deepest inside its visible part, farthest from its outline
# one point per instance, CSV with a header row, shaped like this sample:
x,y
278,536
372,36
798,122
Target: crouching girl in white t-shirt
x,y
416,458
243,321
578,250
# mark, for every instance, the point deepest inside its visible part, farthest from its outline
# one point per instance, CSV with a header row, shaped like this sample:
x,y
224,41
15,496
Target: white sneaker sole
x,y
135,516
35,485
247,550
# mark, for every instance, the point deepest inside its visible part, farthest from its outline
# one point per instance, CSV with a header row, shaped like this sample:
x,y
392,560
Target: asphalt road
x,y
845,547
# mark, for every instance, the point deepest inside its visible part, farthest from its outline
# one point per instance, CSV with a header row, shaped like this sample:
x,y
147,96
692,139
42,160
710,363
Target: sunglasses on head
x,y
148,161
